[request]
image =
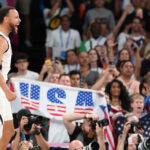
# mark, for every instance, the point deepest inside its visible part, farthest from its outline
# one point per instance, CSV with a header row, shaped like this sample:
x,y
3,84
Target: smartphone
x,y
48,62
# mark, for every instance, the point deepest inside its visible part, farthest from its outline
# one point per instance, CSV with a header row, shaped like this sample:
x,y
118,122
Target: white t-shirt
x,y
64,11
122,38
57,132
30,75
91,43
68,68
62,41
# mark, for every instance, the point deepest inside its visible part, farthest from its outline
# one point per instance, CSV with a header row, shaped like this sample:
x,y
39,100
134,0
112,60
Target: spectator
x,y
139,10
137,104
119,98
125,55
82,132
21,62
64,79
51,71
68,39
86,74
126,72
102,51
122,55
95,39
99,12
56,126
124,138
28,131
76,144
75,78
128,133
145,68
94,61
118,101
57,10
137,34
146,91
54,78
71,61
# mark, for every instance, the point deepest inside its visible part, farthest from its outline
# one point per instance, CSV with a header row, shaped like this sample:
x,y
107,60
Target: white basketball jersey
x,y
6,59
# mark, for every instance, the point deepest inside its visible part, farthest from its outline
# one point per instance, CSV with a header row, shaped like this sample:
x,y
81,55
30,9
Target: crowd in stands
x,y
102,45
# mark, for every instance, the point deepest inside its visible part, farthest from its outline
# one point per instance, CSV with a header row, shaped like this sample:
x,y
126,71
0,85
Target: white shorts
x,y
5,110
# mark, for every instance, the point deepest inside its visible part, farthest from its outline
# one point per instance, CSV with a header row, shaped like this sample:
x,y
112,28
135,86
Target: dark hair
x,y
120,61
136,17
124,62
99,63
64,74
65,16
145,79
71,50
21,56
74,72
4,12
23,112
124,96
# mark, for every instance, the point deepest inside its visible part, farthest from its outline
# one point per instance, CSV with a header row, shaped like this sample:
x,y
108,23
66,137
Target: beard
x,y
13,29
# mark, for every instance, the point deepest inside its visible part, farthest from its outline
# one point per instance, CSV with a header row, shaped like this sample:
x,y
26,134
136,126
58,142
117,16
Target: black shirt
x,y
79,135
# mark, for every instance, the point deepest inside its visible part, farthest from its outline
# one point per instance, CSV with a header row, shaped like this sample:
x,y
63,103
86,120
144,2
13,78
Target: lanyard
x,y
61,38
99,39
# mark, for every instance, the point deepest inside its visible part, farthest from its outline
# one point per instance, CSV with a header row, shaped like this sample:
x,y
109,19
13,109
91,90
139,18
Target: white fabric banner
x,y
53,101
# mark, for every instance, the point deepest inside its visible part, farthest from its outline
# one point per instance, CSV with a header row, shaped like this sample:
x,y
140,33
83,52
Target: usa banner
x,y
53,101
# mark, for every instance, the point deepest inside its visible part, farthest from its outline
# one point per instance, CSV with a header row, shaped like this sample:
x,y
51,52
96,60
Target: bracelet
x,y
86,116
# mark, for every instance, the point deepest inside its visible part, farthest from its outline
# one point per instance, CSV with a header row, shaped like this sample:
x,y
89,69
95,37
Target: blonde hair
x,y
135,97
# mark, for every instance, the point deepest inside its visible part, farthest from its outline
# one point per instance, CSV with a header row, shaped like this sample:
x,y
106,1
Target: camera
x,y
144,145
92,146
138,125
31,120
103,122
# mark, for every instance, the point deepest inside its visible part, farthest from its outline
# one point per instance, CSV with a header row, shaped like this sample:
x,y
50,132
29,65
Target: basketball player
x,y
9,21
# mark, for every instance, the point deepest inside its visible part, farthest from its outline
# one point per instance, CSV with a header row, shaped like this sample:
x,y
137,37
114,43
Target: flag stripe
x,y
29,100
110,134
90,109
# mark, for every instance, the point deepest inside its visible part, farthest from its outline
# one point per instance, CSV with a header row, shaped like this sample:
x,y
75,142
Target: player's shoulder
x,y
3,43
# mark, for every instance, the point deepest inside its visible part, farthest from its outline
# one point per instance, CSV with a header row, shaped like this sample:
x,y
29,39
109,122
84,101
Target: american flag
x,y
84,103
30,95
145,119
56,107
108,129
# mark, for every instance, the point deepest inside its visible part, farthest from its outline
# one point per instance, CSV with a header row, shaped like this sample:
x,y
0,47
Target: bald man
x,y
76,144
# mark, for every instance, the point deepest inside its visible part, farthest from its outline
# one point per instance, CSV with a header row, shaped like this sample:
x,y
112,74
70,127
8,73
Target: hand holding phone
x,y
48,62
